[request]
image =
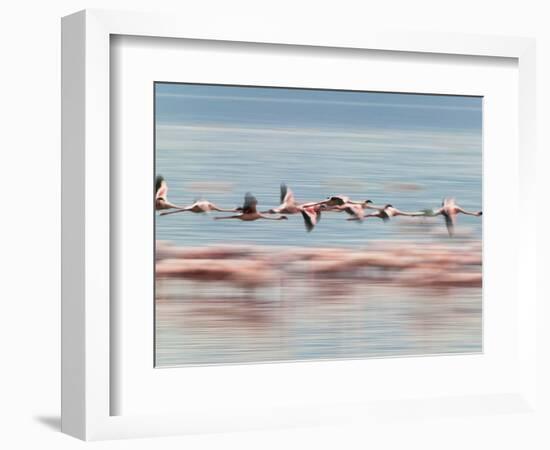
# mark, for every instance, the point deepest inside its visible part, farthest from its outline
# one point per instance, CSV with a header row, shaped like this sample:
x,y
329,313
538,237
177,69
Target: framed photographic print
x,y
267,228
274,282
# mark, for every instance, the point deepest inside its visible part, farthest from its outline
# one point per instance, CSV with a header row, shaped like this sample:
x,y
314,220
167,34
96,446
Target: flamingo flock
x,y
358,211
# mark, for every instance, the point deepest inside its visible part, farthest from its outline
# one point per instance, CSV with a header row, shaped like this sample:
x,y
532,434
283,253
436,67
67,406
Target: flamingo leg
x,y
271,218
215,208
410,214
227,217
177,210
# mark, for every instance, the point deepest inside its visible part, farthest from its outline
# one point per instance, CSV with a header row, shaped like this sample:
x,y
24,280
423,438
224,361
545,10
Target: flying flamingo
x,y
249,211
288,205
312,211
387,211
161,195
355,209
335,200
449,210
340,202
199,206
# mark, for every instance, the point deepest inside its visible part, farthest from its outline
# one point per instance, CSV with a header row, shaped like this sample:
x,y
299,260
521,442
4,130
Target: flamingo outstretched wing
x,y
287,196
311,217
250,203
161,187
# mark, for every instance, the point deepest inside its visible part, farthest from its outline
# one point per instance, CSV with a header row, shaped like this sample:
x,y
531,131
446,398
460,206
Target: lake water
x,y
404,150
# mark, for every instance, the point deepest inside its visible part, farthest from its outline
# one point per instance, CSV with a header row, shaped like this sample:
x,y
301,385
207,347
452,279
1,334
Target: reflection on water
x,y
234,304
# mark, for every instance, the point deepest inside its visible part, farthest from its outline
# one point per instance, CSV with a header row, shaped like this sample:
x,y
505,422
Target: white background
x,y
29,229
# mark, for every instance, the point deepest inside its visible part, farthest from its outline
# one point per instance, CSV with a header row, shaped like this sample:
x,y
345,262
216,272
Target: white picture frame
x,y
87,384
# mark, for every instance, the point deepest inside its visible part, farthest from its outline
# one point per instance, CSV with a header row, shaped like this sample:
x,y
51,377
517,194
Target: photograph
x,y
301,224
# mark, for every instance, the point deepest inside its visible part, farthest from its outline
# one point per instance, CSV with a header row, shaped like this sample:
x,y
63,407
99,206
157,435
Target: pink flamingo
x,y
312,211
199,206
161,195
288,205
450,210
387,211
355,209
335,201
